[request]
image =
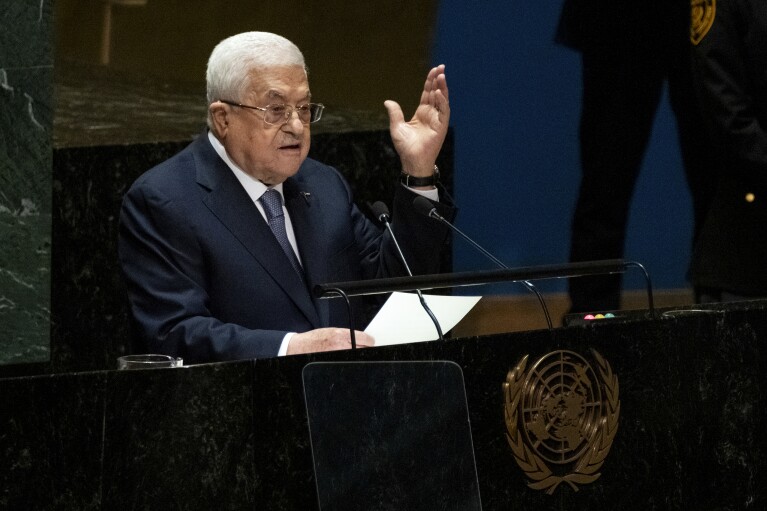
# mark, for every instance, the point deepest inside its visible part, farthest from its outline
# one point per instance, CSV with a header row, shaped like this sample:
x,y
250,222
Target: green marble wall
x,y
26,77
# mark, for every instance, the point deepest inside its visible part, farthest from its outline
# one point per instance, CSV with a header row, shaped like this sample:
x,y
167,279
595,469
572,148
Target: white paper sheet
x,y
402,319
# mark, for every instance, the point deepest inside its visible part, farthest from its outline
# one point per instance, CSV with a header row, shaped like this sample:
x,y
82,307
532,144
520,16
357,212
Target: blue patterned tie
x,y
271,200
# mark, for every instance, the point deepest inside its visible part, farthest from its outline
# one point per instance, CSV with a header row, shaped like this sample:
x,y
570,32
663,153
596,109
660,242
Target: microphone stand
x,y
383,216
446,280
432,213
340,292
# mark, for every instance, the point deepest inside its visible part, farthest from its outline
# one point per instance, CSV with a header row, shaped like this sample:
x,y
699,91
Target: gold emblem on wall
x,y
561,418
703,14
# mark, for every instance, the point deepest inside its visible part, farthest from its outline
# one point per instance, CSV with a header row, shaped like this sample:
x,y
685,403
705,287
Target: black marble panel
x,y
236,435
680,444
51,442
644,359
89,305
26,97
725,444
179,438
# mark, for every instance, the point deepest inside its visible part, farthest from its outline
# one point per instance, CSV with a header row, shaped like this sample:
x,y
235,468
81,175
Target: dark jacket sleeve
x,y
730,61
426,239
731,65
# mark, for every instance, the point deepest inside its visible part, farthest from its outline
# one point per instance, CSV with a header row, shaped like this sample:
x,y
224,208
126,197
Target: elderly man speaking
x,y
221,244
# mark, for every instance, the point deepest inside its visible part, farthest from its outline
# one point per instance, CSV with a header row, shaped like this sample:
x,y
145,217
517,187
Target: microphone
x,y
426,208
381,212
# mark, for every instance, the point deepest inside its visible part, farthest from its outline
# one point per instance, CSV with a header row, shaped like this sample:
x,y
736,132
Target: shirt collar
x,y
253,186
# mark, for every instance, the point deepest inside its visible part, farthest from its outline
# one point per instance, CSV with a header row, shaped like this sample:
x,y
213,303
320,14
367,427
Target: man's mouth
x,y
291,147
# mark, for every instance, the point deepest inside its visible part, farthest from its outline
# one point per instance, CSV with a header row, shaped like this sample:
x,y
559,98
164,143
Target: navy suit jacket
x,y
208,281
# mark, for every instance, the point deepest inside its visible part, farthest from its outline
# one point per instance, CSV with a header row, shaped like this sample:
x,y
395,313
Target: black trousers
x,y
621,94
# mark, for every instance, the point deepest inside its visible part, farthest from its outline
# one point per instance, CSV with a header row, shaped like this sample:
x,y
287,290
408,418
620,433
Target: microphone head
x,y
424,206
380,211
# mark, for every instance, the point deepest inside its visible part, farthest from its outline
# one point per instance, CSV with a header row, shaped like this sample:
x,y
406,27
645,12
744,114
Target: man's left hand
x,y
419,141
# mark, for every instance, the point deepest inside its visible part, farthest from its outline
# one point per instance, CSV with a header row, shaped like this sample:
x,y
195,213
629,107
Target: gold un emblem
x,y
703,15
561,418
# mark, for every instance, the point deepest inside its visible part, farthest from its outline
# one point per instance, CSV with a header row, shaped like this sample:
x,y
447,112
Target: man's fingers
x,y
364,339
328,339
395,112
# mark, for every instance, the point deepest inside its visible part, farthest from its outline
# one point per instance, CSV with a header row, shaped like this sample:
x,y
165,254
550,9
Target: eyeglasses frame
x,y
288,114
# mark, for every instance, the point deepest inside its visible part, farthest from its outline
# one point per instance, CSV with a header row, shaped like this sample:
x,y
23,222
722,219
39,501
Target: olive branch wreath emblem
x,y
585,469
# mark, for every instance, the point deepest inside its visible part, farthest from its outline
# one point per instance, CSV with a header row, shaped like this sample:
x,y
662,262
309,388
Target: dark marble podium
x,y
235,435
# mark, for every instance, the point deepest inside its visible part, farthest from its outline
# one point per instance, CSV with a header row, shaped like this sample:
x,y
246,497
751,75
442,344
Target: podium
x,y
239,435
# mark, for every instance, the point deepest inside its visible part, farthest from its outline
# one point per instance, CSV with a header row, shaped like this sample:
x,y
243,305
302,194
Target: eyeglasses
x,y
277,115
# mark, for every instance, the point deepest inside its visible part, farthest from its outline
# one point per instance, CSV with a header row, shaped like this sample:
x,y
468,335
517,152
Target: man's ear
x,y
219,113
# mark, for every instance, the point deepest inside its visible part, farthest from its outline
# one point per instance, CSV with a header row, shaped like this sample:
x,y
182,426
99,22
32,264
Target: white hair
x,y
236,57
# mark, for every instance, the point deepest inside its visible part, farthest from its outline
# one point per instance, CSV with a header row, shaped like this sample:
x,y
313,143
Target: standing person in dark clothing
x,y
730,55
629,50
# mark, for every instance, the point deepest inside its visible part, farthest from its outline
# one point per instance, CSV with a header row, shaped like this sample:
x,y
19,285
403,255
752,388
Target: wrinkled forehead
x,y
279,84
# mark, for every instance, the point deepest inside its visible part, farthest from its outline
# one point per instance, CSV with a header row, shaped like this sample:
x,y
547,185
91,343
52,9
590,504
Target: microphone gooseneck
x,y
425,207
340,292
381,212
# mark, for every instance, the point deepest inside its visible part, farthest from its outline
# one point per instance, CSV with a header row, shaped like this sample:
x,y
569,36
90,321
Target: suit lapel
x,y
305,208
229,202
